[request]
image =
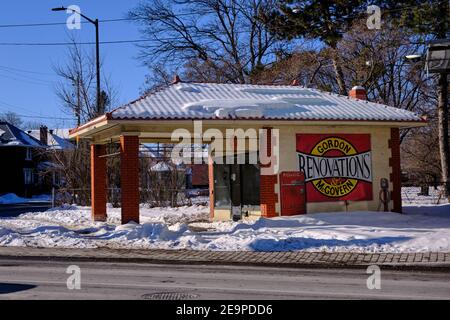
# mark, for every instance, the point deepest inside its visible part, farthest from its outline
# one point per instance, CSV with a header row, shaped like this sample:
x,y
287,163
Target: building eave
x,y
98,125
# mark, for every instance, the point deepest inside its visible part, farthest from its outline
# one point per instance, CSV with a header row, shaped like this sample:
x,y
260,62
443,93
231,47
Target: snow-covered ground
x,y
411,196
423,228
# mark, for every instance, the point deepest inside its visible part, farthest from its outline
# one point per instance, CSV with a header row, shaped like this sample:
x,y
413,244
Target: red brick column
x,y
129,149
98,182
268,196
396,177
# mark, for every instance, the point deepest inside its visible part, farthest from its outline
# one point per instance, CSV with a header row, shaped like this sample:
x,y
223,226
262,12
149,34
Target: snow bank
x,y
11,199
421,230
424,227
14,199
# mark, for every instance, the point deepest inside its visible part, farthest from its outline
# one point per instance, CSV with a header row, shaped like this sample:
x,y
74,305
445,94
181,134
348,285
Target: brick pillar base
x,y
129,149
267,183
98,183
396,178
268,197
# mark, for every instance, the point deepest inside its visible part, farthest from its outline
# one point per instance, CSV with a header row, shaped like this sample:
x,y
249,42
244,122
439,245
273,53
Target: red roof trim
x,y
91,123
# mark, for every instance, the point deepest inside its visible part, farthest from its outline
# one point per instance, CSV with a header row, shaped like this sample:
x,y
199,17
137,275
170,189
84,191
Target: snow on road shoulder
x,y
11,198
422,229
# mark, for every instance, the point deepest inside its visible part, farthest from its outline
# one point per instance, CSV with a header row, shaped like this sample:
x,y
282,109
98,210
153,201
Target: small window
x,y
28,176
29,154
56,178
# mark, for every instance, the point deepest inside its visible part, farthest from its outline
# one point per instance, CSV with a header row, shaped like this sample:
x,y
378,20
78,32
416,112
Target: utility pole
x,y
444,148
78,110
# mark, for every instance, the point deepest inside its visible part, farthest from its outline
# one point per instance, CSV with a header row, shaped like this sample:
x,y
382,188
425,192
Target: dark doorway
x,y
236,185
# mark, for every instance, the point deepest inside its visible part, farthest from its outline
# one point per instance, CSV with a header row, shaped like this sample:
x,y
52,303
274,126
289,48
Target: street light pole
x,y
96,23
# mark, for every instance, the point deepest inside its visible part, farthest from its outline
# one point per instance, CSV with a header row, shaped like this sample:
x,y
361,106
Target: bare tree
x,y
376,60
77,89
420,155
210,39
74,167
12,118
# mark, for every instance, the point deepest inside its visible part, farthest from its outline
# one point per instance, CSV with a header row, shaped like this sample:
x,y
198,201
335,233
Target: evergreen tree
x,y
326,21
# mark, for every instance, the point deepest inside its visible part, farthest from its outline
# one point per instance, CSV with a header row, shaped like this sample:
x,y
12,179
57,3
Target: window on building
x,y
28,176
56,178
29,154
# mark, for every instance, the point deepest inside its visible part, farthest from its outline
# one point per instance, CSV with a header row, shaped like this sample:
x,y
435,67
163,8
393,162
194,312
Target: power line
x,y
50,24
25,80
148,40
44,44
27,77
45,117
6,108
12,69
24,25
9,106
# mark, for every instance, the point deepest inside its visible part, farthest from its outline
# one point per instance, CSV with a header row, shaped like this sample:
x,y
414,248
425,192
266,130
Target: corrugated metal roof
x,y
237,101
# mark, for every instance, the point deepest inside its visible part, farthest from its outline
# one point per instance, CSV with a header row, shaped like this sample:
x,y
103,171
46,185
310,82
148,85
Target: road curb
x,y
399,267
186,257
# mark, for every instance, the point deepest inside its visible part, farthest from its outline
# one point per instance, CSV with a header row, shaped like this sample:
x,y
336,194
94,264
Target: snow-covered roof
x,y
165,167
11,136
242,101
57,139
146,150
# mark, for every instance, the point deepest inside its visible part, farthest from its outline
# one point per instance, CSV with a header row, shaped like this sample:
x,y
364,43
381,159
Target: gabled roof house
x,y
19,157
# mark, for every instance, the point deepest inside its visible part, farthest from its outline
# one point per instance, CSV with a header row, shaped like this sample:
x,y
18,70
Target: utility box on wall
x,y
293,193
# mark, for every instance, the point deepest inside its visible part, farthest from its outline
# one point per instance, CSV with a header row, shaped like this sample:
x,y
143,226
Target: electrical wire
x,y
49,24
37,116
47,44
12,69
135,41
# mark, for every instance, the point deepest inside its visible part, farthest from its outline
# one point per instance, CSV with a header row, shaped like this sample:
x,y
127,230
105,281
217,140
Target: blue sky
x,y
32,93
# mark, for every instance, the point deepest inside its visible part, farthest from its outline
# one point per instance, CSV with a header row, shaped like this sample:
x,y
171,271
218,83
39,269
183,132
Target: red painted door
x,y
293,193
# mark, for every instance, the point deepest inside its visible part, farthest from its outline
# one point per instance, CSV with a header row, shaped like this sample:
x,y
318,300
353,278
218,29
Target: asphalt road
x,y
20,279
15,210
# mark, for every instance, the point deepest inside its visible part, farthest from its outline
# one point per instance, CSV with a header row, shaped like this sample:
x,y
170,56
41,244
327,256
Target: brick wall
x,y
268,196
129,148
394,163
98,182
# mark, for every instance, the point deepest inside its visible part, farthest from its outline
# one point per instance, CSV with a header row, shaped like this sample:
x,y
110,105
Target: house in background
x,y
20,155
55,140
195,174
26,169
